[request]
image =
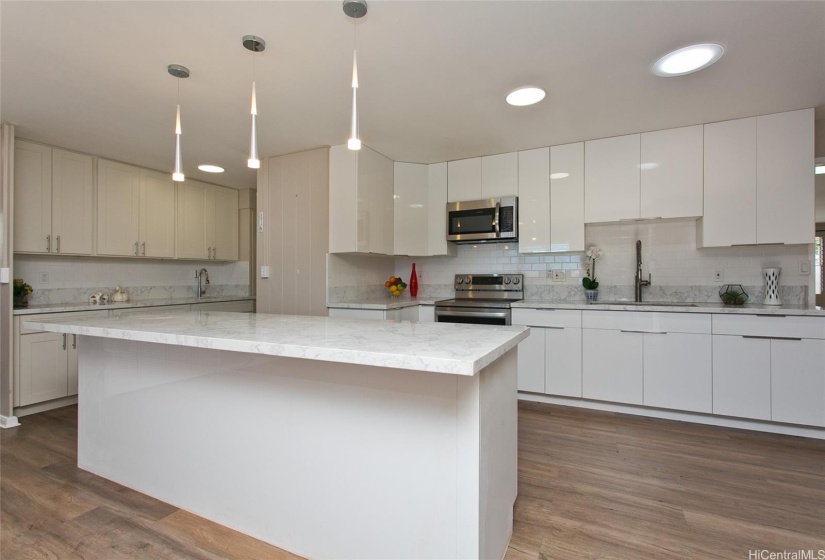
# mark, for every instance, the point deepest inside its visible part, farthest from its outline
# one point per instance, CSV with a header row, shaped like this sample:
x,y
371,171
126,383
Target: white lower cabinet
x,y
678,372
612,366
531,362
403,314
798,381
742,376
563,361
426,313
550,359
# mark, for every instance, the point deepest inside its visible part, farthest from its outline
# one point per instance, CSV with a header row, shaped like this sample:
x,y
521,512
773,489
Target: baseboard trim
x,y
44,406
695,417
8,422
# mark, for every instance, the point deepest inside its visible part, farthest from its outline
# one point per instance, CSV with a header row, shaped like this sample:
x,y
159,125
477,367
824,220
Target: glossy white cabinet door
x,y
567,197
612,366
531,362
72,202
346,313
678,373
32,197
500,175
798,381
611,179
436,204
671,173
426,313
409,313
562,361
225,219
118,209
157,214
534,201
375,200
784,181
344,225
729,216
195,230
411,209
464,180
43,367
742,376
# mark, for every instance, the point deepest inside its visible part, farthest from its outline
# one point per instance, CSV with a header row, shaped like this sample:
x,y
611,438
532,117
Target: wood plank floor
x,y
591,485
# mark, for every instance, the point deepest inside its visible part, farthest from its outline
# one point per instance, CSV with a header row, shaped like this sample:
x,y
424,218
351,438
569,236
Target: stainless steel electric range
x,y
482,299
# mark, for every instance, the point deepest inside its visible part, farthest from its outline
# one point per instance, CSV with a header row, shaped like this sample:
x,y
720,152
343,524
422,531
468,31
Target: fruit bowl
x,y
395,286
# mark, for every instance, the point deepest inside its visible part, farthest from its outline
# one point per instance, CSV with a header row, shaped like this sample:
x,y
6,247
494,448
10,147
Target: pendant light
x,y
254,44
178,72
355,9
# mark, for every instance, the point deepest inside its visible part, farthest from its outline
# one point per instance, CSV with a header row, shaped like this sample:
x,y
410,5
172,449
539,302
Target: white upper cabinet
x,y
361,209
500,175
225,241
207,222
671,173
54,192
118,209
612,179
567,197
784,180
436,207
759,187
411,209
534,201
464,180
157,214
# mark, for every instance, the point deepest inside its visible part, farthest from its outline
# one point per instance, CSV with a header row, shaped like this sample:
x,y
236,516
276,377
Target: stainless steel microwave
x,y
493,219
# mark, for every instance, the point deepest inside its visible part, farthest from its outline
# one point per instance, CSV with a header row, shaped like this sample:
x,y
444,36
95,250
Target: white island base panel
x,y
322,459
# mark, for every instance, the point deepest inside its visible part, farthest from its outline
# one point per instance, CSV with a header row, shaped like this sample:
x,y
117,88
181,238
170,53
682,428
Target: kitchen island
x,y
330,438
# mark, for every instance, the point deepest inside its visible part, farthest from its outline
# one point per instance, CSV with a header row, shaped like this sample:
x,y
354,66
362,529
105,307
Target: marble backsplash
x,y
81,295
795,295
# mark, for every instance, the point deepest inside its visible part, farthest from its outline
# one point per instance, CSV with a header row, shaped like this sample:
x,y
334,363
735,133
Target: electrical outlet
x,y
804,268
44,277
719,275
558,276
264,272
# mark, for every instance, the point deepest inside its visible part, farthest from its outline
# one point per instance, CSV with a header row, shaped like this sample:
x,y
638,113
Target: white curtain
x,y
6,229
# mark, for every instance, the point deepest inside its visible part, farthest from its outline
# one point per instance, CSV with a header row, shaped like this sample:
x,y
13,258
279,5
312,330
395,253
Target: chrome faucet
x,y
202,285
639,281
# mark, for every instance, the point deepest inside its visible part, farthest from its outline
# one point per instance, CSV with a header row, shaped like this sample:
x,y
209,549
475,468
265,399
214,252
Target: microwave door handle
x,y
495,219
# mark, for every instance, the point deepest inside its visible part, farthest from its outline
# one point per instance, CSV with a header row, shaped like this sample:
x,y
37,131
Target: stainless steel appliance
x,y
494,219
482,299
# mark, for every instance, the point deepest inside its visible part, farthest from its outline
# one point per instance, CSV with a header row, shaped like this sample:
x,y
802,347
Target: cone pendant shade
x,y
177,175
354,143
253,162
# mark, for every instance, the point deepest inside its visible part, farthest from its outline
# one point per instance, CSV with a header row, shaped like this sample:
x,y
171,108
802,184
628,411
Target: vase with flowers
x,y
589,282
21,291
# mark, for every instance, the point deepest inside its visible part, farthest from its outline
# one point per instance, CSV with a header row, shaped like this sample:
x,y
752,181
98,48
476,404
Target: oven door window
x,y
479,317
469,222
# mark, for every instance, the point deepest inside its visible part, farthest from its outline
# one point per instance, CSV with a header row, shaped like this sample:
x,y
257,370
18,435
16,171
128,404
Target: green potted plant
x,y
21,291
589,282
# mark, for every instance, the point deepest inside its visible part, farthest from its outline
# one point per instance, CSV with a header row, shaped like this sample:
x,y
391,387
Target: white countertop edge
x,y
309,352
752,309
383,304
68,307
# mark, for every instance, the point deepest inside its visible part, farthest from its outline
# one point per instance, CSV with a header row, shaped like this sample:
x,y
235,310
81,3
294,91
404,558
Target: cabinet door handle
x,y
214,253
786,338
64,342
48,243
58,244
769,315
209,251
645,332
756,337
136,246
143,249
74,342
556,328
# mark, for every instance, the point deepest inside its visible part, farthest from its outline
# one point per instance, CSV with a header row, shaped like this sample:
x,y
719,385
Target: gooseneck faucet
x,y
202,285
639,281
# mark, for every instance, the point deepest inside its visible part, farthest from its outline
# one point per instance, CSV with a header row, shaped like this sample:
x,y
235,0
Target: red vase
x,y
413,283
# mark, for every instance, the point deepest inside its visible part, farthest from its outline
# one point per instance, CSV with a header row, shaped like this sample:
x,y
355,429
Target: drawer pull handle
x,y
786,338
757,337
645,332
557,328
769,315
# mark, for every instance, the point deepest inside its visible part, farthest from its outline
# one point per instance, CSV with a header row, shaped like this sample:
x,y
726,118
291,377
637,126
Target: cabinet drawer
x,y
698,323
51,316
547,317
770,326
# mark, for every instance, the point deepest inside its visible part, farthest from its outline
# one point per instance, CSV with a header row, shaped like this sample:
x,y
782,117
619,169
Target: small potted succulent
x,y
21,291
589,282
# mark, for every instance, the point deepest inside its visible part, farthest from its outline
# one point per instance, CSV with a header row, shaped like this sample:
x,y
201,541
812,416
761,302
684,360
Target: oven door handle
x,y
495,219
478,314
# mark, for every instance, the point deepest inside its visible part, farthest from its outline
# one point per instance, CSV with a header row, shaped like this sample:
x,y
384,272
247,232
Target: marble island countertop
x,y
676,307
384,303
64,307
438,347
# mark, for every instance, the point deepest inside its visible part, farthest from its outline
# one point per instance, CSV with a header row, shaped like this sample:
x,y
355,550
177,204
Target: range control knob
x,y
459,280
506,279
468,280
516,280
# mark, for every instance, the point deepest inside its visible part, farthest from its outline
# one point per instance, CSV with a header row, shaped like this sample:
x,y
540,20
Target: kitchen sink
x,y
656,303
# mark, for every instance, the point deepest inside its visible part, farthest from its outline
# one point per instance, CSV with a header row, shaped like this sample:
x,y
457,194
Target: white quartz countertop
x,y
437,347
384,303
678,307
64,307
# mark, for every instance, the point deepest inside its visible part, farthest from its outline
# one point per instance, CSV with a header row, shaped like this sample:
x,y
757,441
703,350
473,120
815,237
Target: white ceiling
x,y
91,76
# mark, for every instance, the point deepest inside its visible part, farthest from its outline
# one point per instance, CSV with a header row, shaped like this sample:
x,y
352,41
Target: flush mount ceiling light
x,y
688,60
211,168
355,9
559,175
254,44
527,95
179,72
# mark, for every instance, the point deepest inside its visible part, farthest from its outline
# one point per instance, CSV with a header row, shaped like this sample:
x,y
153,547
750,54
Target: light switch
x,y
4,275
264,272
260,222
805,268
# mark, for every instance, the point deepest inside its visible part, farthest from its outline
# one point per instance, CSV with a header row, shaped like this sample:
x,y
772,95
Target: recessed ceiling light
x,y
559,175
527,95
211,168
688,59
648,166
